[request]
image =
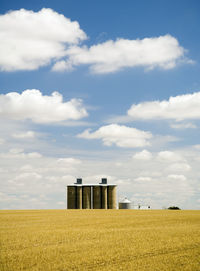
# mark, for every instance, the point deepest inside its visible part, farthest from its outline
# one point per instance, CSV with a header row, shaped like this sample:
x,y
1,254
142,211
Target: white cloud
x,y
28,175
169,156
177,177
143,179
197,146
154,182
2,141
34,155
16,151
72,123
179,108
30,39
163,52
143,155
183,126
68,161
63,66
179,167
121,136
26,168
24,135
31,104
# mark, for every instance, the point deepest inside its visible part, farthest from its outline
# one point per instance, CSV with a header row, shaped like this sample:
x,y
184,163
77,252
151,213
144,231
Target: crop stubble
x,y
99,240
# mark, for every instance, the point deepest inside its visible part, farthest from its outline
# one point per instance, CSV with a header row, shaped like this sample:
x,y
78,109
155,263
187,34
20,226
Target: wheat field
x,y
99,240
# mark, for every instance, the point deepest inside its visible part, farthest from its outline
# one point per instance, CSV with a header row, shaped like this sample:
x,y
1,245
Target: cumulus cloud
x,y
68,164
30,175
154,182
169,156
179,167
30,39
63,66
183,126
33,105
26,168
16,150
177,177
19,153
111,56
34,155
143,179
178,108
68,161
143,155
24,135
121,136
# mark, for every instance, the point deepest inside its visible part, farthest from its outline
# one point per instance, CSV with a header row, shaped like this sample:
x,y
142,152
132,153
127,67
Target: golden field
x,y
99,240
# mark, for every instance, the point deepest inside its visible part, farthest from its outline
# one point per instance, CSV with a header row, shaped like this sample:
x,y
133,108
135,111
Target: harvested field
x,y
99,240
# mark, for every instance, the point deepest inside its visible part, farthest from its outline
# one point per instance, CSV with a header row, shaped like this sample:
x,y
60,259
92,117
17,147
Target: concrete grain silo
x,y
112,197
97,197
71,197
104,194
79,192
86,197
92,196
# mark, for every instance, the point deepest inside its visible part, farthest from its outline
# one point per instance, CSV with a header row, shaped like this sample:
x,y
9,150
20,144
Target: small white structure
x,y
125,204
144,207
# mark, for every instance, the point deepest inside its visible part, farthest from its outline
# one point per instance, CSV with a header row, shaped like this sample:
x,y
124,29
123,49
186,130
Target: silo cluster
x,y
92,196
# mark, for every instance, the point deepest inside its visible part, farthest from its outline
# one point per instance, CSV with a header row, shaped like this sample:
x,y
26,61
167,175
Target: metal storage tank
x,y
104,200
112,197
96,197
86,197
71,197
125,204
79,197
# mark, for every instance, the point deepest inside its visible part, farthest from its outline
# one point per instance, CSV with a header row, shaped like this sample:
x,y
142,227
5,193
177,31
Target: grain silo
x,y
71,197
86,197
104,194
112,200
91,196
96,197
125,204
79,193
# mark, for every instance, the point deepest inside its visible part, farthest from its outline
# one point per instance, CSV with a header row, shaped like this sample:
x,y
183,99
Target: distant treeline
x,y
174,208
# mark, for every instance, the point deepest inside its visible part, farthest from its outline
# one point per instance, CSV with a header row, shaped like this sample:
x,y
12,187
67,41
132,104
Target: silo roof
x,y
125,200
89,184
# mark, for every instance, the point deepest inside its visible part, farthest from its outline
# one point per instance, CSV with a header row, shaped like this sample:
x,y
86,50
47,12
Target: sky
x,y
100,89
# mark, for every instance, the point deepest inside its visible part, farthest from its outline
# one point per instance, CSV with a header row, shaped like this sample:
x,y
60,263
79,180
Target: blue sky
x,y
114,66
